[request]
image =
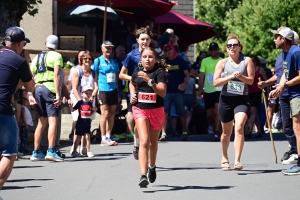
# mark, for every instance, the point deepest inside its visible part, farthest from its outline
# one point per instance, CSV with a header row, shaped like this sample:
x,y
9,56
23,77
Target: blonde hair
x,y
233,36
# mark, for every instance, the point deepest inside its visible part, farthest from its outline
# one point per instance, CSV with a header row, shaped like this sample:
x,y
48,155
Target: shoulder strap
x,y
93,73
80,74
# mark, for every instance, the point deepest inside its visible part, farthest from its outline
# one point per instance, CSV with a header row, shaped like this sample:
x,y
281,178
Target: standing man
x,y
291,156
46,67
290,80
178,77
13,68
211,95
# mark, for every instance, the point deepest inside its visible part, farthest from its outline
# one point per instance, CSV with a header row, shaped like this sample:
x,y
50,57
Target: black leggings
x,y
230,105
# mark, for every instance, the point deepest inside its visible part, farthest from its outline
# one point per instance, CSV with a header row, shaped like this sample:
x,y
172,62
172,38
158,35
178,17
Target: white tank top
x,y
28,117
85,80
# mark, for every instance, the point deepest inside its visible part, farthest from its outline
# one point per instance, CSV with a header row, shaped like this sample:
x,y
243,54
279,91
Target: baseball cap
x,y
86,88
170,31
296,37
213,46
107,43
15,34
284,32
263,61
52,41
166,46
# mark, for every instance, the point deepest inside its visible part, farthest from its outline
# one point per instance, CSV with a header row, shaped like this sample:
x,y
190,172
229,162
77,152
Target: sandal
x,y
225,166
238,166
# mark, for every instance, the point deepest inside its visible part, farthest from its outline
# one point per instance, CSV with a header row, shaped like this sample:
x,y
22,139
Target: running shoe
x,y
294,170
293,159
163,138
152,174
37,155
114,138
286,156
53,156
185,137
107,142
83,151
76,154
90,154
120,136
143,181
217,137
130,135
135,152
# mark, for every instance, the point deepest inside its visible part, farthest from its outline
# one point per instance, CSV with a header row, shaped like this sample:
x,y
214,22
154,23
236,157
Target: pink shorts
x,y
156,116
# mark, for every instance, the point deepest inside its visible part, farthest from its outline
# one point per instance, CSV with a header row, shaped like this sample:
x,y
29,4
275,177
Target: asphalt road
x,y
185,170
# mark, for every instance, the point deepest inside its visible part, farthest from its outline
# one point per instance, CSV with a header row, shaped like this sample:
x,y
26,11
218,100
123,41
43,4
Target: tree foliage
x,y
251,21
11,12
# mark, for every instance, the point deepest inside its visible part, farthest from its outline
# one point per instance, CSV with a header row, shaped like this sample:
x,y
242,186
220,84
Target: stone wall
x,y
187,7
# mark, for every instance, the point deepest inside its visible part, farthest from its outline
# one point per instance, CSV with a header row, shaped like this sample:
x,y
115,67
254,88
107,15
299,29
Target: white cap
x,y
296,38
52,41
86,88
284,32
170,31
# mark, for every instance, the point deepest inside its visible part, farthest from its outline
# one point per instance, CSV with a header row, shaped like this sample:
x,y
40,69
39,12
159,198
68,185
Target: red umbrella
x,y
188,29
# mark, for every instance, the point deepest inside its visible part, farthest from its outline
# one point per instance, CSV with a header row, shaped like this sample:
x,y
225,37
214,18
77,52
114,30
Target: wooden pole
x,y
268,121
104,20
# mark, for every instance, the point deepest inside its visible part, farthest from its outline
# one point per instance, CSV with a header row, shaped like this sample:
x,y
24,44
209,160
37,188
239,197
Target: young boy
x,y
26,123
83,125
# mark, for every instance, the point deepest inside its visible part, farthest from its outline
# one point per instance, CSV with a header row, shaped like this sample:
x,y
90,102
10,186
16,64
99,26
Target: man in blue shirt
x,y
290,80
13,68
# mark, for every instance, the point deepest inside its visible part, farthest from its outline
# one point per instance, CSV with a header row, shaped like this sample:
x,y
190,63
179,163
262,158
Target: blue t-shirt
x,y
279,72
291,65
132,60
106,73
13,68
176,74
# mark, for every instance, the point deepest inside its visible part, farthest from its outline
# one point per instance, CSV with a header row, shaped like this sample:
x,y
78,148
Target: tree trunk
x,y
11,12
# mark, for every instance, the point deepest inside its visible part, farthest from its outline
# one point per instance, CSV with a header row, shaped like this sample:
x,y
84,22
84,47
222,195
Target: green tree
x,y
11,12
214,12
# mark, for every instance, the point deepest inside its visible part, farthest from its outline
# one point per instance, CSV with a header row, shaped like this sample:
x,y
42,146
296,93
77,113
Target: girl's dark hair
x,y
160,63
76,59
143,30
255,59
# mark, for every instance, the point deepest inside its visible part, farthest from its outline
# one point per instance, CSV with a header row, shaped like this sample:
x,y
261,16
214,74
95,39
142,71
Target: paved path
x,y
186,170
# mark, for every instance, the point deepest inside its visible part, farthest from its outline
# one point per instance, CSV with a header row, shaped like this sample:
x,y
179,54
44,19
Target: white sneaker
x,y
83,151
76,154
107,142
90,154
293,159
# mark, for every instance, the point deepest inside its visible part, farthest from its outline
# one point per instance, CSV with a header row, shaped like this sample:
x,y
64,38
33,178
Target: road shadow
x,y
24,167
179,188
183,168
84,159
18,187
250,172
25,180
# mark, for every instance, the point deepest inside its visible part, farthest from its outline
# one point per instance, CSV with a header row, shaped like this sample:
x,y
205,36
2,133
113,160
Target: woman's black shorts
x,y
230,105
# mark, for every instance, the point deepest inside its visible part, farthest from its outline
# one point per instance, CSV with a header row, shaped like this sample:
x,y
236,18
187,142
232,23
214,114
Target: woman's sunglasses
x,y
87,58
229,46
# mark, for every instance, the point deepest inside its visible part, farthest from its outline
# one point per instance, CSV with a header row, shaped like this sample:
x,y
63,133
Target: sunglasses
x,y
167,50
87,58
229,46
25,43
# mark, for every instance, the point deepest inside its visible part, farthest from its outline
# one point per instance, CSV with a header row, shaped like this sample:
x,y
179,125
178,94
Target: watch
x,y
285,85
151,82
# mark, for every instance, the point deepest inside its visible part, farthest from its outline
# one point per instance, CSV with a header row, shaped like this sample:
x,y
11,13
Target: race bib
x,y
111,77
85,114
146,97
235,87
210,77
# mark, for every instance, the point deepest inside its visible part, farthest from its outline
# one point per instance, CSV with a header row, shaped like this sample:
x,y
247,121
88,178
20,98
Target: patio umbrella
x,y
91,16
188,29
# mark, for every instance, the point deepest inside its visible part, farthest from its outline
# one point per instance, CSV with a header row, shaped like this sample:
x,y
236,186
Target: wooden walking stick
x,y
268,121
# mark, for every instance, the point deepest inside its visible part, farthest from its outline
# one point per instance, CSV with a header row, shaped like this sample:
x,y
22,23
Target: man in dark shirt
x,y
13,68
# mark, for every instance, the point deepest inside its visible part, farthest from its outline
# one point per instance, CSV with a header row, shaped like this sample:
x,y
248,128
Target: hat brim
x,y
274,31
107,45
27,40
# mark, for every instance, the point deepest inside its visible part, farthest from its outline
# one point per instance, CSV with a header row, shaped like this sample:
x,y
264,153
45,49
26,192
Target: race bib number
x,y
235,87
85,114
210,77
146,97
111,77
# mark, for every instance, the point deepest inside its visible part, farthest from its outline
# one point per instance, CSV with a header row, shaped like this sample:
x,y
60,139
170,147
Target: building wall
x,y
187,7
37,28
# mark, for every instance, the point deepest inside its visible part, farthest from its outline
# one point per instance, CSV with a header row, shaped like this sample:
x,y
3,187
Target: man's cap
x,y
52,41
213,45
263,61
285,32
167,45
107,43
170,31
86,88
296,37
15,34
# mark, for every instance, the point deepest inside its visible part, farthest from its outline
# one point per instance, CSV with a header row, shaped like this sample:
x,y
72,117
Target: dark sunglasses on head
x,y
87,58
232,45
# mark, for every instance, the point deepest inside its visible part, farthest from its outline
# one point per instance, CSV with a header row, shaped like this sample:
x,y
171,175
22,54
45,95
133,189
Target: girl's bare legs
x,y
154,134
225,139
240,120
